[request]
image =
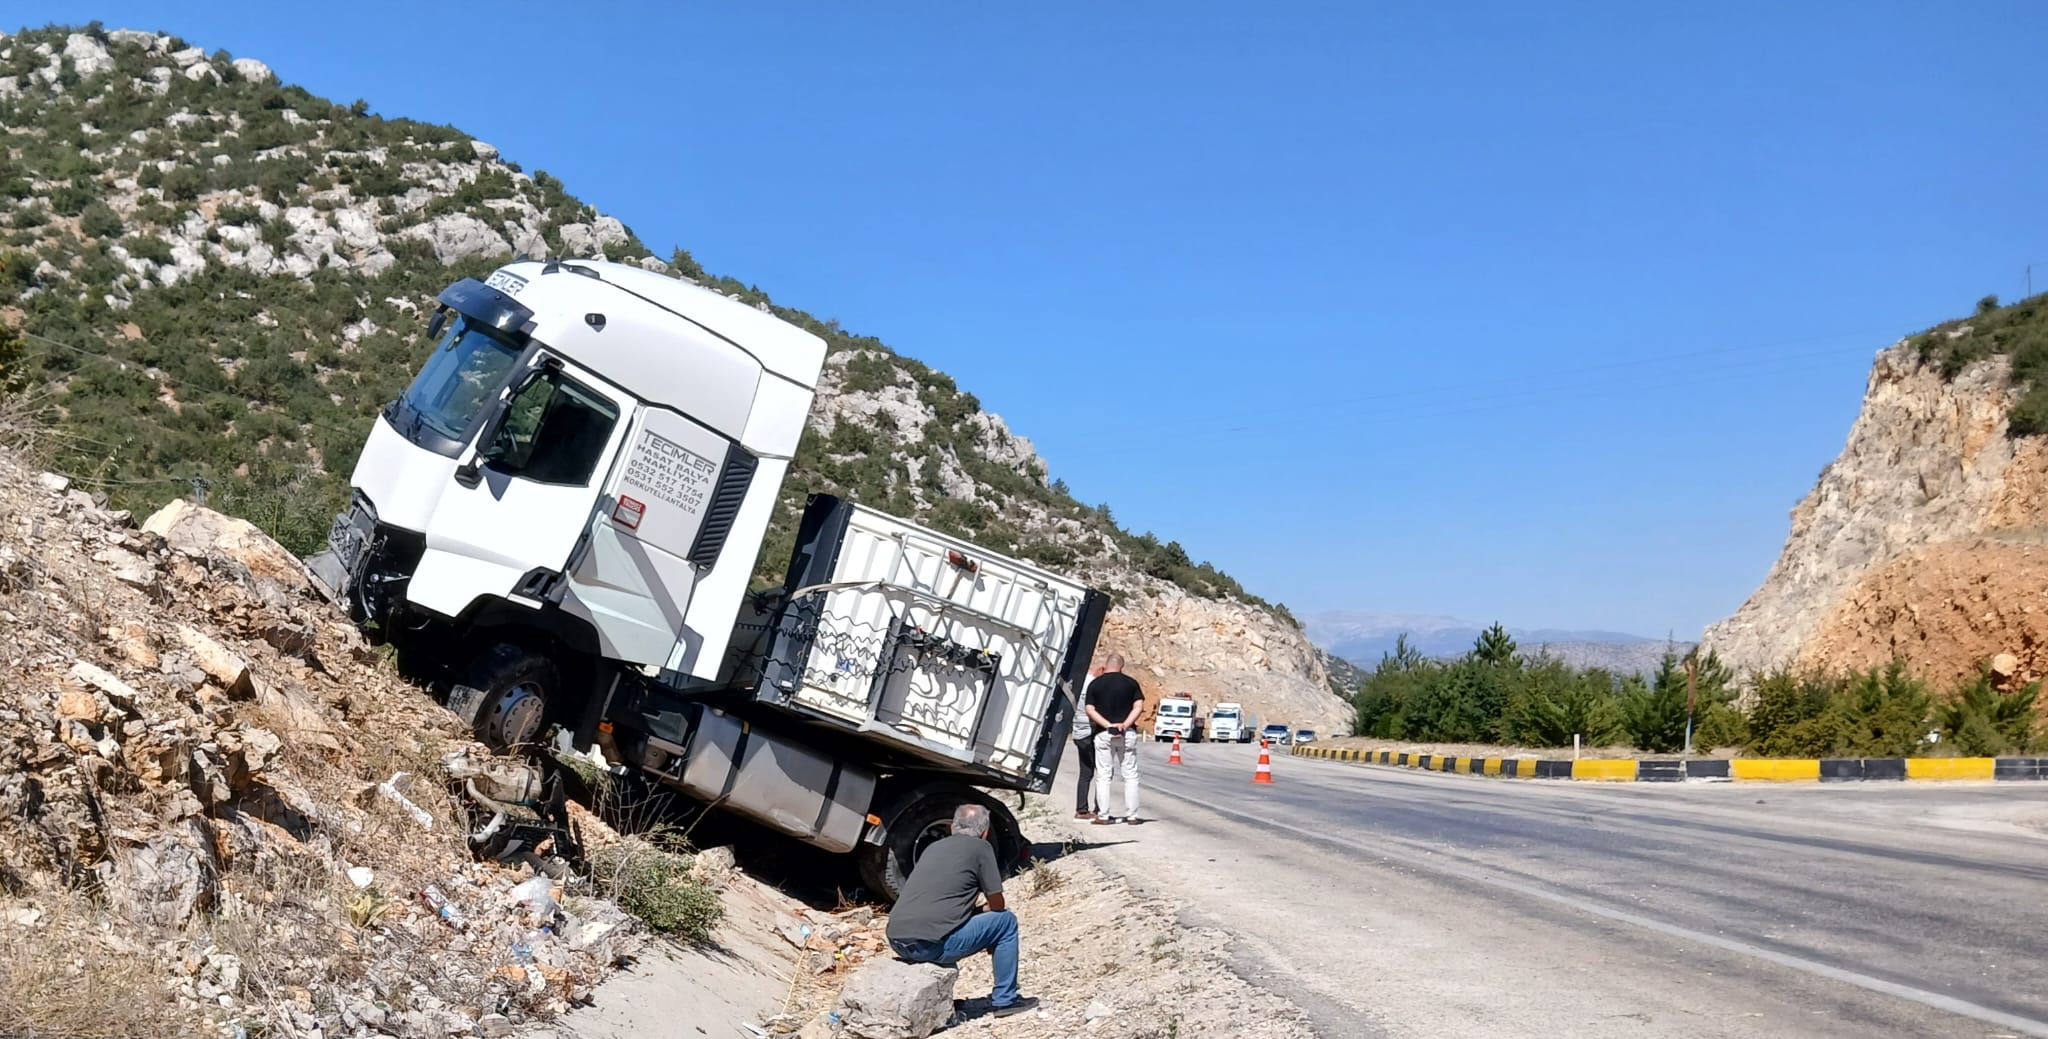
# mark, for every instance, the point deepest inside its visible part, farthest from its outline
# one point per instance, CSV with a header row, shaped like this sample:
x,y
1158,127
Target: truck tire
x,y
924,817
519,690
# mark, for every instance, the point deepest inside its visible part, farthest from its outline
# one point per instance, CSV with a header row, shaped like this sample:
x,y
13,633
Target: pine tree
x,y
1494,646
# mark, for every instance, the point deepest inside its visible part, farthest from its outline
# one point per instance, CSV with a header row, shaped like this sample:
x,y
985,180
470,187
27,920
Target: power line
x,y
1421,406
1571,374
148,371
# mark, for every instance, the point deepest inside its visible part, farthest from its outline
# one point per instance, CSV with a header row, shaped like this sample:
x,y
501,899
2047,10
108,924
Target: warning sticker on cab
x,y
628,512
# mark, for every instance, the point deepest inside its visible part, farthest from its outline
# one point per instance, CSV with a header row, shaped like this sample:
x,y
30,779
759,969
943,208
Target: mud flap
x,y
329,575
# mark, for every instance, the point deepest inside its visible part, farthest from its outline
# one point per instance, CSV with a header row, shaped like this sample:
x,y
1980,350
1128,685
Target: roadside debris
x,y
222,814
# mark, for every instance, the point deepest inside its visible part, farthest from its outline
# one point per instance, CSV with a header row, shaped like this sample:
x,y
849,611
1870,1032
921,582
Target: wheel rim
x,y
516,717
933,833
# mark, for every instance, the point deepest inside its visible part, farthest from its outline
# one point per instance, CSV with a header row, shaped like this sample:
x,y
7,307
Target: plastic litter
x,y
536,893
361,876
389,788
442,908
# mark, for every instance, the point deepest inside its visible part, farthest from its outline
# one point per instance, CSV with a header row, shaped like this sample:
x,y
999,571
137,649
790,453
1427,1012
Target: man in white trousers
x,y
1114,702
1085,805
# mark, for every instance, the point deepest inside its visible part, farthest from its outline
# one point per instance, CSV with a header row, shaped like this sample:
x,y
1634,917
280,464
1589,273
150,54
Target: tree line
x,y
1496,694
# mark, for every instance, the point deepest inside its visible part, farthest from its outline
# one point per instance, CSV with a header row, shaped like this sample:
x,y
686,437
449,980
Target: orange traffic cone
x,y
1265,770
1174,758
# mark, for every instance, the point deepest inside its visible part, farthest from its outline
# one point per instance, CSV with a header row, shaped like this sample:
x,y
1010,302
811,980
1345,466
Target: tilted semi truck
x,y
563,514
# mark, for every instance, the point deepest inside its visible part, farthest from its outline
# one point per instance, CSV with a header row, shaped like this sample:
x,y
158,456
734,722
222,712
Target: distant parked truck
x,y
1177,717
1227,724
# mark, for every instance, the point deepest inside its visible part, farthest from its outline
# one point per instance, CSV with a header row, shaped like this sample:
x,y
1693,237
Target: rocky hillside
x,y
1927,539
220,277
219,807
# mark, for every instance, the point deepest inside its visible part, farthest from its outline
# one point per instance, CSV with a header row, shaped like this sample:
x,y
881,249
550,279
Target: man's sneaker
x,y
1084,815
1107,820
1022,1004
1133,820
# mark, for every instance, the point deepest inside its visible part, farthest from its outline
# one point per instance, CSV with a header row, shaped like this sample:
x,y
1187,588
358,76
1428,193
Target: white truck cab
x,y
563,514
1227,724
1176,717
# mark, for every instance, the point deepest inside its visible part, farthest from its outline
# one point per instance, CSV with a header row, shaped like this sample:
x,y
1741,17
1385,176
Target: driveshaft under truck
x,y
563,514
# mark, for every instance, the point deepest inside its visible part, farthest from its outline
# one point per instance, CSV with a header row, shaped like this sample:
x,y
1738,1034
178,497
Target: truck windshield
x,y
467,368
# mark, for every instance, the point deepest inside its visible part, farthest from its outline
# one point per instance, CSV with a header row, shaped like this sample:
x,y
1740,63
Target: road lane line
x,y
1925,997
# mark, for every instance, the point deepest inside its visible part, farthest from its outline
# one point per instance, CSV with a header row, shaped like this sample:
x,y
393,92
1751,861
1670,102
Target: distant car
x,y
1274,734
1304,735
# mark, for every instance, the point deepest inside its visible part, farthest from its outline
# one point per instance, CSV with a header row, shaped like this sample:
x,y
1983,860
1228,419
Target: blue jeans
x,y
995,930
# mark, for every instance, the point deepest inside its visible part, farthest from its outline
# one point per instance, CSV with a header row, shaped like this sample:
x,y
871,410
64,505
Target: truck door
x,y
512,516
672,497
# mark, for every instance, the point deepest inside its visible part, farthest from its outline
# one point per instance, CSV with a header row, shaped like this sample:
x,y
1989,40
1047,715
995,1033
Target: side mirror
x,y
437,322
470,473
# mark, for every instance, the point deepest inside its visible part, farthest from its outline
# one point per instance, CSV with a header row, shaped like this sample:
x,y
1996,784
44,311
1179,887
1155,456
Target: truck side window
x,y
554,432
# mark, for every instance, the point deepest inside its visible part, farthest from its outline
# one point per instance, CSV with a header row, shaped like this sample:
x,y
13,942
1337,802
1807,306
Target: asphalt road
x,y
1386,902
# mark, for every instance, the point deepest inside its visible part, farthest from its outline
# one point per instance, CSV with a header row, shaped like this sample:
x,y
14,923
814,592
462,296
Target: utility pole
x,y
1692,670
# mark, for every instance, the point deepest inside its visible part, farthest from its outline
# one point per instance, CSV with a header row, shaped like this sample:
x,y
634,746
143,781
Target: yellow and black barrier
x,y
1674,770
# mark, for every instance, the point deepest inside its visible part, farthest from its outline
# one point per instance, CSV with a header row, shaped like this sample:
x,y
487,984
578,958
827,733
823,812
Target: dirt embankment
x,y
1105,962
220,809
1945,610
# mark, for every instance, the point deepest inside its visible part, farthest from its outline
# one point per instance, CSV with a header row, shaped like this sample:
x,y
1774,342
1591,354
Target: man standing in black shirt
x,y
1114,703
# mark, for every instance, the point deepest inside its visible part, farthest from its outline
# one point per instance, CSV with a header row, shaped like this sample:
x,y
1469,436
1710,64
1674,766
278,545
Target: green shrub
x,y
1556,702
99,221
2018,332
1883,712
1981,721
277,233
71,197
148,247
237,214
658,887
183,184
1720,727
17,270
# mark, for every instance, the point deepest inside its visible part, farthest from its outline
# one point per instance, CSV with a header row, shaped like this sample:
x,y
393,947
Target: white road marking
x,y
1965,1008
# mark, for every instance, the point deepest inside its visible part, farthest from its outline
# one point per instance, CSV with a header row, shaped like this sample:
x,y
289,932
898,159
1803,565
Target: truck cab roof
x,y
744,372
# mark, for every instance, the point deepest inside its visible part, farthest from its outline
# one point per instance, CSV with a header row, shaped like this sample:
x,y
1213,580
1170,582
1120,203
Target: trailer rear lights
x,y
960,561
628,512
874,820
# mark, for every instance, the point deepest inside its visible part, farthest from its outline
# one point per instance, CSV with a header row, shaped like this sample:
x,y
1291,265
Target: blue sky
x,y
1540,313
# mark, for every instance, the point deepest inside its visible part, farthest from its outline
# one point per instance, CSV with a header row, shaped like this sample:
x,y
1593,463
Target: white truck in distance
x,y
560,519
1227,724
1177,716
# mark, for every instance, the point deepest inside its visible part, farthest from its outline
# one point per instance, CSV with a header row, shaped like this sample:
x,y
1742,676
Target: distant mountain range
x,y
1363,636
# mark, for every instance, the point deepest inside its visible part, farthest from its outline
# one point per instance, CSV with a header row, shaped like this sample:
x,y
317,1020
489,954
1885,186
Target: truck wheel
x,y
516,689
926,819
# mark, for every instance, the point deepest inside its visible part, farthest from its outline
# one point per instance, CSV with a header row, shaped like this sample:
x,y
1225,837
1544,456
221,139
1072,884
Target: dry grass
x,y
1043,879
67,978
